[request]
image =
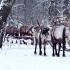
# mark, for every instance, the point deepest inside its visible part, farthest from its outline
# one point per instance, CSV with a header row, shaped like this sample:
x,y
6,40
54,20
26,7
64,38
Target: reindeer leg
x,y
53,54
44,48
24,42
40,46
59,50
20,42
16,42
64,42
53,48
7,39
64,49
32,42
35,46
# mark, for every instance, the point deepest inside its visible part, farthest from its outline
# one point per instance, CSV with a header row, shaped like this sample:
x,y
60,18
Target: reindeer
x,y
43,39
12,31
40,35
58,37
24,31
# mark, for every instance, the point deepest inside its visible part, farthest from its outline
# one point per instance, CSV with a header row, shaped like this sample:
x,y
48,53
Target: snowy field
x,y
21,57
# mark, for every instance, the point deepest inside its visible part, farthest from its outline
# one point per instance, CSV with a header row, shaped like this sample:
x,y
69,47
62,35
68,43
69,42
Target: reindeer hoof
x,y
25,43
63,55
32,43
35,52
58,55
44,54
53,55
40,53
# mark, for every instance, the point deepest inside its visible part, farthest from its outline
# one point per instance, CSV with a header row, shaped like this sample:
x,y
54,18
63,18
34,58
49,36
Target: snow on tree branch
x,y
5,8
6,3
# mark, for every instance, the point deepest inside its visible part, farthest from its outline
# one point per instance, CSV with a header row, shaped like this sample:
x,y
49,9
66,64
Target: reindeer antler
x,y
30,28
38,23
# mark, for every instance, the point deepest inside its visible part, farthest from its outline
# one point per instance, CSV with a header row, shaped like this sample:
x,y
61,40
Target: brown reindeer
x,y
24,31
12,31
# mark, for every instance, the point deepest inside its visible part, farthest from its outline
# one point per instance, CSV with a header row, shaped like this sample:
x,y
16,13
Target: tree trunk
x,y
1,38
5,8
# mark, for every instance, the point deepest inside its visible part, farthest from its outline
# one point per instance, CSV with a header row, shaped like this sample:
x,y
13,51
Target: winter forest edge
x,y
34,34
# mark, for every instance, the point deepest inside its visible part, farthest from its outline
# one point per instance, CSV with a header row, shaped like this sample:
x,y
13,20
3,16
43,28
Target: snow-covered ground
x,y
21,57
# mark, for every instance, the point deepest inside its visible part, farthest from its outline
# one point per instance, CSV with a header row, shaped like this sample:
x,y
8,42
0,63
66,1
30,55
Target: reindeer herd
x,y
55,35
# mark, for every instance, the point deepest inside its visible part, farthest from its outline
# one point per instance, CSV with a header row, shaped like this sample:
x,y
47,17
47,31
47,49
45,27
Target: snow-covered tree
x,y
66,3
66,11
53,11
5,8
28,11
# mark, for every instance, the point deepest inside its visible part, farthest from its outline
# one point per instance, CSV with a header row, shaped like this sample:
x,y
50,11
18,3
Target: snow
x,y
21,57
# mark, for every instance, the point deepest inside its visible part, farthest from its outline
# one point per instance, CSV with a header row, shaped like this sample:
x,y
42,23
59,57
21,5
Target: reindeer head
x,y
45,31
